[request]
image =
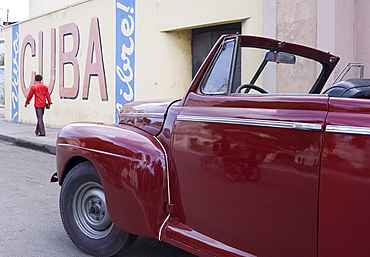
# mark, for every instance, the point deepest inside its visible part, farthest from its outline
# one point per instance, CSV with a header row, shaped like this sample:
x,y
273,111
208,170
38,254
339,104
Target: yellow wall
x,y
164,39
162,51
64,111
38,7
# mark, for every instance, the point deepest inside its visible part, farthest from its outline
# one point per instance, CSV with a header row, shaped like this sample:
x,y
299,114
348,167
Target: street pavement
x,y
30,219
31,224
23,135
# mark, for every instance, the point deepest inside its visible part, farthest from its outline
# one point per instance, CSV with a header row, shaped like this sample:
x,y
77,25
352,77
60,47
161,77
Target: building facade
x,y
97,55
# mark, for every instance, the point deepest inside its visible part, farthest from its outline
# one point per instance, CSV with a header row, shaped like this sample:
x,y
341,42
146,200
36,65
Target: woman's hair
x,y
38,77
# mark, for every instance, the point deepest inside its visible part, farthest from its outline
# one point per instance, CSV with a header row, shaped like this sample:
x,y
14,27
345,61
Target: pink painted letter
x,y
28,40
96,68
66,58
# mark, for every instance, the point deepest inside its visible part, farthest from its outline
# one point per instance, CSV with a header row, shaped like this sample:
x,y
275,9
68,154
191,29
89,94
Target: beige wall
x,y
182,15
343,30
363,33
296,23
38,7
164,39
345,33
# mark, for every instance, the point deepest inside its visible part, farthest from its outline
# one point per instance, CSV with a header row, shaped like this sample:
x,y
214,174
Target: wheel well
x,y
72,163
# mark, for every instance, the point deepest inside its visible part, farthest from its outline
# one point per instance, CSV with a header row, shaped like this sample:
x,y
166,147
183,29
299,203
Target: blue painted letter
x,y
125,53
15,74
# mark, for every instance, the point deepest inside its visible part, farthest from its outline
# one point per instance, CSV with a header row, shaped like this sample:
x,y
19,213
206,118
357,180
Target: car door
x,y
345,178
247,165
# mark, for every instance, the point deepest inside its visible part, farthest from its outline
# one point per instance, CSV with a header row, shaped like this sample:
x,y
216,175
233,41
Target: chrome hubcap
x,y
90,211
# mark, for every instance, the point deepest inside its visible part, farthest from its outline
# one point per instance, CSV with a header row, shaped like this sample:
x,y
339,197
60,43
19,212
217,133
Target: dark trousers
x,y
40,128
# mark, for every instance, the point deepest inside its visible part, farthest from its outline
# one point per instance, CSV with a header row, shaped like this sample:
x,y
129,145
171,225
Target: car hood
x,y
148,116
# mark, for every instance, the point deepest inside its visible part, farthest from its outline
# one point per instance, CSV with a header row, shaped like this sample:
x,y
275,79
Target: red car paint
x,y
237,174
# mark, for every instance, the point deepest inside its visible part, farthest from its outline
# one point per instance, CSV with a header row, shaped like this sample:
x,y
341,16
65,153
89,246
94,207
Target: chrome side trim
x,y
253,122
162,226
141,115
92,150
307,126
348,130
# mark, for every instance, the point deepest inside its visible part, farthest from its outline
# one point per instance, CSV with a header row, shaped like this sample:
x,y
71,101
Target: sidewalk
x,y
23,135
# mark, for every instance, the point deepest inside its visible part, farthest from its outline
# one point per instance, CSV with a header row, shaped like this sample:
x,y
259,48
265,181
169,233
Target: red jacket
x,y
41,92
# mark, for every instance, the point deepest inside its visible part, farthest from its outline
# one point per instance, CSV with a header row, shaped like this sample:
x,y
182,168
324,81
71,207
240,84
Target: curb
x,y
28,144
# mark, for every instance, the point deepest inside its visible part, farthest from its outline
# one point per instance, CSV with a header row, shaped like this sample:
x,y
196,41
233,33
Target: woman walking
x,y
41,93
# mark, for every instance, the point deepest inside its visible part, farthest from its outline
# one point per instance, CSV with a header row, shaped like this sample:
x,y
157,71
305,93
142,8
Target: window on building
x,y
203,40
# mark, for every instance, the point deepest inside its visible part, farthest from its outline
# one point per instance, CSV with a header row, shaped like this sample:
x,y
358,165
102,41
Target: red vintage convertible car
x,y
229,169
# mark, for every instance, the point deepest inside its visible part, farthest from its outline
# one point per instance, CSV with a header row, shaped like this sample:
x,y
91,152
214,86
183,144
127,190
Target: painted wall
x,y
363,34
336,26
296,23
167,39
38,7
96,55
345,33
72,53
343,30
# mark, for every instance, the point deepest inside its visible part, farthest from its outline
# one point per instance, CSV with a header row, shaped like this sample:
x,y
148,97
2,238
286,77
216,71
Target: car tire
x,y
85,216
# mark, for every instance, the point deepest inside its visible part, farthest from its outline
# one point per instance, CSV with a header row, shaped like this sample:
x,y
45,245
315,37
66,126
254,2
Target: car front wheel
x,y
85,216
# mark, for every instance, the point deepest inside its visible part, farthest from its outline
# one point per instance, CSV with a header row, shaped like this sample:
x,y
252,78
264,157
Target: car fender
x,y
132,166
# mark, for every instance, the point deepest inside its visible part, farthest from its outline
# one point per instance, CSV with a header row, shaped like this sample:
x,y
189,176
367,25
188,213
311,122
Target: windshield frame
x,y
327,60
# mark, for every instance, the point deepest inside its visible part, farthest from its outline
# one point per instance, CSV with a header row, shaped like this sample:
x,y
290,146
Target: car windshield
x,y
234,70
287,74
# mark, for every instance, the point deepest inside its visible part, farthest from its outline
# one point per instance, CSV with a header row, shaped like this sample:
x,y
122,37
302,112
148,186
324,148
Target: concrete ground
x,y
23,134
29,232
